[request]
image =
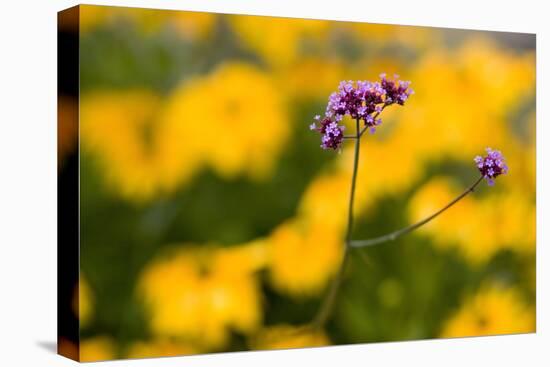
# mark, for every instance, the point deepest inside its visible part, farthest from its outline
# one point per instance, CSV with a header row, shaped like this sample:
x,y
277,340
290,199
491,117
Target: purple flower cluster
x,y
492,165
363,101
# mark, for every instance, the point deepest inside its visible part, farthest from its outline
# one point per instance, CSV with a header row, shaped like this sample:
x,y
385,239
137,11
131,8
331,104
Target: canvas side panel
x,y
68,181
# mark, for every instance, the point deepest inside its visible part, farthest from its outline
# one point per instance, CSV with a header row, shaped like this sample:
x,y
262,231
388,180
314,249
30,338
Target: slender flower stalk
x,y
328,302
363,101
400,232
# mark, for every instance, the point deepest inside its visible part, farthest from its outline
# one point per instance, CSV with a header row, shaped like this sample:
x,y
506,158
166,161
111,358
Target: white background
x,y
28,172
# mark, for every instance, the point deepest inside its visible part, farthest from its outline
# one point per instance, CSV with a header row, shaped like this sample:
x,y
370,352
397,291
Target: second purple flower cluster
x,y
492,165
363,101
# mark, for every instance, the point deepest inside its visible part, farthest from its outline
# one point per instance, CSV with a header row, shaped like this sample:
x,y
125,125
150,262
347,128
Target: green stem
x,y
396,234
330,298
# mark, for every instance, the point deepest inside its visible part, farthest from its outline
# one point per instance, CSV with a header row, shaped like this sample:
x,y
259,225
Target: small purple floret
x,y
492,165
333,134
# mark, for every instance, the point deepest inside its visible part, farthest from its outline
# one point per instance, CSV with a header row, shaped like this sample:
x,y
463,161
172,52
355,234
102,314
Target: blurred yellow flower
x,y
386,167
140,156
83,301
159,348
99,348
303,256
380,35
369,68
193,25
287,336
202,293
462,103
511,218
189,25
311,77
449,226
234,118
91,16
493,310
277,40
521,156
502,79
480,227
325,201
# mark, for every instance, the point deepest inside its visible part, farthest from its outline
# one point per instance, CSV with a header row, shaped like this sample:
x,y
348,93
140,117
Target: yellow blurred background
x,y
212,220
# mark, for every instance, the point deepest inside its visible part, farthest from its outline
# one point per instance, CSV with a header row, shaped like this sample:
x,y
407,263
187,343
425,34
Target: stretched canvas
x,y
236,182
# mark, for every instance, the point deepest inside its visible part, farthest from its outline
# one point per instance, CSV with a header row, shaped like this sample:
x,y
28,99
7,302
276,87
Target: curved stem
x,y
396,234
330,298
